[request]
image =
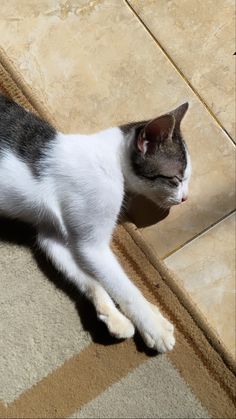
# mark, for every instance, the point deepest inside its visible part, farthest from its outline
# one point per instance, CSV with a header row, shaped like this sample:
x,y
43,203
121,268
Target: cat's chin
x,y
168,206
165,204
177,203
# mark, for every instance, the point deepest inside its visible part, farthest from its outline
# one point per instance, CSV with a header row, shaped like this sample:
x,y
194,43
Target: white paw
x,y
159,332
117,324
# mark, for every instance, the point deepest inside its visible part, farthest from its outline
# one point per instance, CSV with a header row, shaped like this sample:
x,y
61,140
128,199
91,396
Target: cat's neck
x,y
131,184
111,146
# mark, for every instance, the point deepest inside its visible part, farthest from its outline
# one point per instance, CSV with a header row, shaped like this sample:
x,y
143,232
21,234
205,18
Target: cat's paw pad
x,y
118,325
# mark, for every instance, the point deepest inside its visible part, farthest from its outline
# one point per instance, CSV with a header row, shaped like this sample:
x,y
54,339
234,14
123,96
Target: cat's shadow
x,y
22,234
144,212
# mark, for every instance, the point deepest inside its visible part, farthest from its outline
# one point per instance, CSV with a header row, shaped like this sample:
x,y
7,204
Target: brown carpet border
x,y
13,84
183,296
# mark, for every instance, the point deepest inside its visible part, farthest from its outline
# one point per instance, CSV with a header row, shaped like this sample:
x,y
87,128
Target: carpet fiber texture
x,y
58,361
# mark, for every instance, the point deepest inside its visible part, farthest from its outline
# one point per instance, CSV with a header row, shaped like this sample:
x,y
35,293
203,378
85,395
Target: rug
x,y
58,361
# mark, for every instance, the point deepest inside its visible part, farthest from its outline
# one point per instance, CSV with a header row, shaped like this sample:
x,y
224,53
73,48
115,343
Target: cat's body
x,y
71,187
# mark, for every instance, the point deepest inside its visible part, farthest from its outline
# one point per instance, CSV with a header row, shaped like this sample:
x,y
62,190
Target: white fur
x,y
182,193
80,195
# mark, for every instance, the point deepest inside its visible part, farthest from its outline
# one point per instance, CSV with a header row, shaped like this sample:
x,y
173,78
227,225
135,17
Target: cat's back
x,y
13,119
23,133
24,143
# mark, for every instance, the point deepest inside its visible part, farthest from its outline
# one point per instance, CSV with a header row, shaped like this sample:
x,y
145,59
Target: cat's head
x,y
158,163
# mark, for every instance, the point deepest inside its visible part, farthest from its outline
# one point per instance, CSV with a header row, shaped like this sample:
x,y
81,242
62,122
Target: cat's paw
x,y
117,324
159,334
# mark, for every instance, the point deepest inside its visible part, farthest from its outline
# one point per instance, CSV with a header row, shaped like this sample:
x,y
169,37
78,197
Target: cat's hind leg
x,y
61,257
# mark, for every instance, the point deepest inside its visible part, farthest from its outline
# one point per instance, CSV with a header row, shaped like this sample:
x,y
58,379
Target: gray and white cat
x,y
71,188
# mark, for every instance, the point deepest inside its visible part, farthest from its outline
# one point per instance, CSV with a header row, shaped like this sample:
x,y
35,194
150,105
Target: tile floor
x,y
98,63
201,44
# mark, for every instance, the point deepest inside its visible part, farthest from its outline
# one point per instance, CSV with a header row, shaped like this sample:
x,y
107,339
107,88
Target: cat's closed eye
x,y
171,180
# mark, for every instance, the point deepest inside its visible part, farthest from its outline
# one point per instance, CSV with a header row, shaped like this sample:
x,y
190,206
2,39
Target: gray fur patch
x,y
133,127
24,134
168,160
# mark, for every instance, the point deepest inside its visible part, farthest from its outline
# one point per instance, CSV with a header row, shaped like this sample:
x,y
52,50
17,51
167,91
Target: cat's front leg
x,y
62,258
99,261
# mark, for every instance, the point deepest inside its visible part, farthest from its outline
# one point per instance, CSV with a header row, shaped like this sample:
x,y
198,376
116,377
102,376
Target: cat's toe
x,y
166,342
162,342
161,335
118,325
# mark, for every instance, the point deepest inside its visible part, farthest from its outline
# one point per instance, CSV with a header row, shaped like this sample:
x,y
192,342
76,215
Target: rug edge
x,y
17,84
184,298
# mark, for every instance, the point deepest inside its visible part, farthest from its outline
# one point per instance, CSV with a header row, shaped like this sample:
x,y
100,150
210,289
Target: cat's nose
x,y
184,198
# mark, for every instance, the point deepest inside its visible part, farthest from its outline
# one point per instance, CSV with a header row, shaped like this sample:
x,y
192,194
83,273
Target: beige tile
x,y
206,269
199,35
91,79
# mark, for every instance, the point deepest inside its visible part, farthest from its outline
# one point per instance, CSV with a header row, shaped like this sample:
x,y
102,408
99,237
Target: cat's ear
x,y
156,132
179,113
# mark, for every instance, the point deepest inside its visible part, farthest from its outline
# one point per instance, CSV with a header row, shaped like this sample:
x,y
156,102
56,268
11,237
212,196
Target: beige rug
x,y
57,360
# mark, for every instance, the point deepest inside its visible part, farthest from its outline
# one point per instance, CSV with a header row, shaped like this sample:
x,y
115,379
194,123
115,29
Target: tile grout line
x,y
179,71
205,105
205,230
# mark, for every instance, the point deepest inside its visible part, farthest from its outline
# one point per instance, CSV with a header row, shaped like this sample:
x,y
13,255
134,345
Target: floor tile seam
x,y
180,72
201,233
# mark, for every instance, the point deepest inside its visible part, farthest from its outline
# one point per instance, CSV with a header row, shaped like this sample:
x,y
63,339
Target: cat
x,y
71,188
